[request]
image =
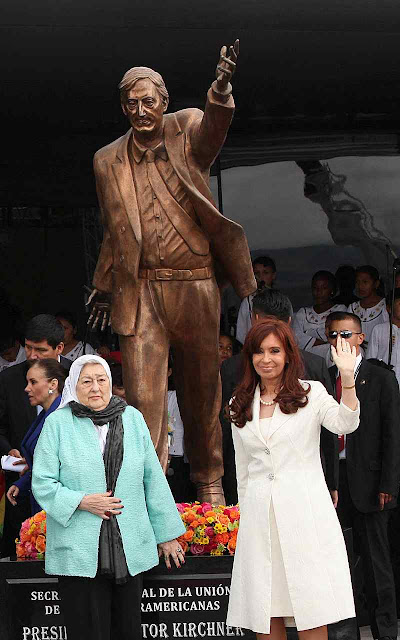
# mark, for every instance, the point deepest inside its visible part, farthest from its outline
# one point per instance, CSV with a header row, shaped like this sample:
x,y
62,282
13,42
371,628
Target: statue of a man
x,y
165,247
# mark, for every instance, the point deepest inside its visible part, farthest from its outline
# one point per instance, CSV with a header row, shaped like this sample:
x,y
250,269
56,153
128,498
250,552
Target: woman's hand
x,y
12,493
15,453
103,505
344,357
173,549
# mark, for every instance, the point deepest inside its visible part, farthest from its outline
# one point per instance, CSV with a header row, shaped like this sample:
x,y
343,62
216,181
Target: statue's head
x,y
144,100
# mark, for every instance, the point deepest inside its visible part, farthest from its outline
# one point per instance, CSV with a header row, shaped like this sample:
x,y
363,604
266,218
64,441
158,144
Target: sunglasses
x,y
344,333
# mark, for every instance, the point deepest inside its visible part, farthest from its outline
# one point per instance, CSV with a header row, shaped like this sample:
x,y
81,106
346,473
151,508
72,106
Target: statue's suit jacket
x,y
192,139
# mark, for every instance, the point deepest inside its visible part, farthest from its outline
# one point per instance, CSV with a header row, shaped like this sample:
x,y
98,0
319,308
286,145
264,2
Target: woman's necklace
x,y
268,403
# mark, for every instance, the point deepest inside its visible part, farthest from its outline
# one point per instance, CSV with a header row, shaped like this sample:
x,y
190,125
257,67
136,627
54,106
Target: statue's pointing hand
x,y
101,310
226,66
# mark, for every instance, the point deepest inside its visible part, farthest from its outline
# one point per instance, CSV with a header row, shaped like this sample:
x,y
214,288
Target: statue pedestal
x,y
187,603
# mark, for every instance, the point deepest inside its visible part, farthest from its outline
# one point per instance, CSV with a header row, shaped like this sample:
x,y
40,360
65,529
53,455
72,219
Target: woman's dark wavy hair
x,y
292,395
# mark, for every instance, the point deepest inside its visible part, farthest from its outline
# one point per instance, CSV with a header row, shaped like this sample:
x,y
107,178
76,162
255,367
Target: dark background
x,y
306,68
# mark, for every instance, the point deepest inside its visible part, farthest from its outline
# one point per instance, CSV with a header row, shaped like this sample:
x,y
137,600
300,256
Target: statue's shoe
x,y
211,492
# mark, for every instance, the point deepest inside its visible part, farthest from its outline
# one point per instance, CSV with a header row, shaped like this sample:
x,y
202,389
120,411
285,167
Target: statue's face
x,y
144,107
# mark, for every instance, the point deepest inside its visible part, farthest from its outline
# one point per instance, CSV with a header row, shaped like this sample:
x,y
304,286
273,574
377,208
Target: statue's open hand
x,y
101,309
227,65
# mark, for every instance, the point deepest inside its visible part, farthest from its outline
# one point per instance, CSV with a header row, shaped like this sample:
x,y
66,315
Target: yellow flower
x,y
210,519
196,540
204,540
219,528
216,552
224,529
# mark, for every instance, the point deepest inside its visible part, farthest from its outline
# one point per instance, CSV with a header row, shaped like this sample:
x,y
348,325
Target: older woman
x,y
108,505
291,559
45,383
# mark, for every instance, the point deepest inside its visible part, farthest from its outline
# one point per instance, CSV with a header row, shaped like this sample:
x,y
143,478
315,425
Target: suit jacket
x,y
192,139
28,445
315,369
373,452
60,479
16,413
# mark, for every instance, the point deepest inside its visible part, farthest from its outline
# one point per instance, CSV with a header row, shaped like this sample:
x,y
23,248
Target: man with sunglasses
x,y
370,472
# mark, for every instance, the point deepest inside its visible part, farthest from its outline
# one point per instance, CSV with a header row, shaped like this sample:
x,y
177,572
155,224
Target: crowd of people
x,y
340,345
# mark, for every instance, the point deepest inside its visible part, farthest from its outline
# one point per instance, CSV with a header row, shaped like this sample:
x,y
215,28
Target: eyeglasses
x,y
344,333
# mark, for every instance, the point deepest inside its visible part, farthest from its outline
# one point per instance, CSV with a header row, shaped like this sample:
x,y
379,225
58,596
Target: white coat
x,y
287,470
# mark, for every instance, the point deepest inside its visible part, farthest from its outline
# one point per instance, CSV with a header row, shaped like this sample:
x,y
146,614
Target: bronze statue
x,y
165,248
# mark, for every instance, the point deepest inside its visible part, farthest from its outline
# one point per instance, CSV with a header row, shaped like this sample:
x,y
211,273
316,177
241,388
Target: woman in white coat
x,y
291,559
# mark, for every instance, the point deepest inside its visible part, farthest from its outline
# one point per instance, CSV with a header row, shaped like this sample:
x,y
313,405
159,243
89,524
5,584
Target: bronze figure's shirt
x,y
162,245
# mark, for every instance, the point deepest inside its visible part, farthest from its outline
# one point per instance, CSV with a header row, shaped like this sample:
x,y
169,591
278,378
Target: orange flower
x,y
190,517
222,538
209,514
201,520
234,515
20,550
194,524
223,519
25,535
41,544
39,517
232,545
188,535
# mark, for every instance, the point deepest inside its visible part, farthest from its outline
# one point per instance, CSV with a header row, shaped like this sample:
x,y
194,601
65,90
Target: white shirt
x,y
378,346
177,447
309,326
77,351
243,325
102,435
21,357
370,317
342,454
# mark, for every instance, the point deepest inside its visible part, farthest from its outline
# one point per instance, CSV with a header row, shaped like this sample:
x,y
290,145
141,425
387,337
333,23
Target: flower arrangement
x,y
32,538
209,530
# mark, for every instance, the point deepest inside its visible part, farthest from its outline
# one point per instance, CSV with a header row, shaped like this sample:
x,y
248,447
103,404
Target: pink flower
x,y
29,548
180,507
197,549
206,506
209,531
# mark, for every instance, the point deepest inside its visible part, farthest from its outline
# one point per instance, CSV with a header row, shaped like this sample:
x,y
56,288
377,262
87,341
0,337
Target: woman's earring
x,y
51,392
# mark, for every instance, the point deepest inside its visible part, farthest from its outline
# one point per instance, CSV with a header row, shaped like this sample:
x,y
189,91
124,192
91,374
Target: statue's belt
x,y
176,274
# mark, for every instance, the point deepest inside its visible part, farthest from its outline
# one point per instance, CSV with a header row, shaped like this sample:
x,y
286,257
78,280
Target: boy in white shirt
x,y
379,343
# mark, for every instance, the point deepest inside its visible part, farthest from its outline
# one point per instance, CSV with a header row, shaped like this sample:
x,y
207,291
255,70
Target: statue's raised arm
x,y
226,67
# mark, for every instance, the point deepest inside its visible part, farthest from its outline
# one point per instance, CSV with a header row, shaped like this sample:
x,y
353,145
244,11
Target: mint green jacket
x,y
68,464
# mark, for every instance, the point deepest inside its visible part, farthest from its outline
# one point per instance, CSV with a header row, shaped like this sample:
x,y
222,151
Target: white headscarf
x,y
69,392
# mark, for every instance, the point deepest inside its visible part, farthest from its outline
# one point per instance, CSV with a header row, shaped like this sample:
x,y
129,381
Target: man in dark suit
x,y
44,339
370,473
270,302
